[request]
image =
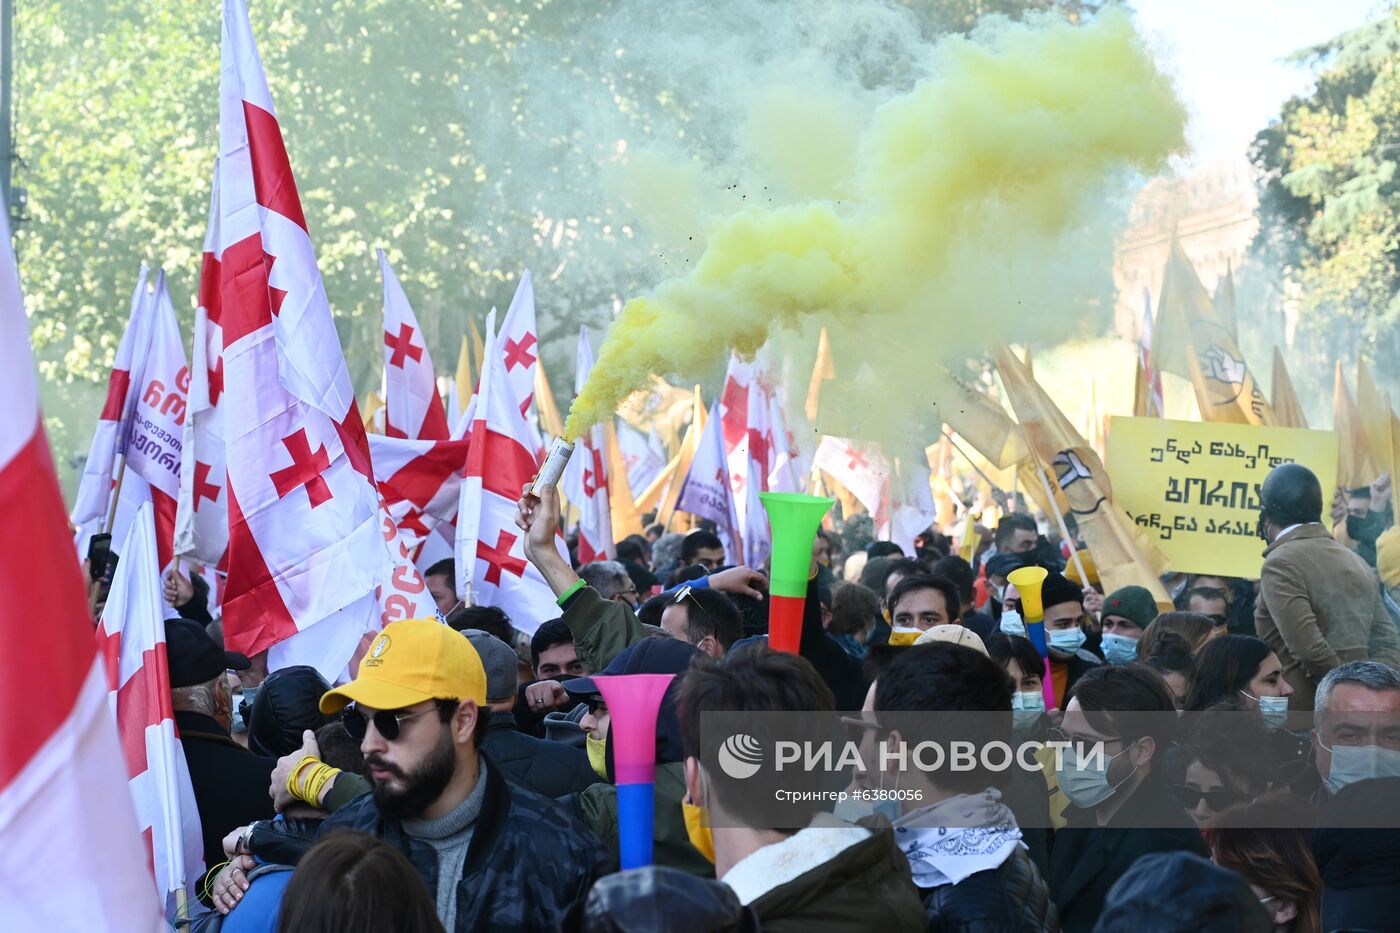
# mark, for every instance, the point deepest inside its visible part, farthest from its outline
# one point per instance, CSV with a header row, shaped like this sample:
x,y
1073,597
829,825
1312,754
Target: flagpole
x,y
972,463
1064,528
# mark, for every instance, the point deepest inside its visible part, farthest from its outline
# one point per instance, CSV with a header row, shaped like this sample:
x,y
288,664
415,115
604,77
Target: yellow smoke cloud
x,y
980,189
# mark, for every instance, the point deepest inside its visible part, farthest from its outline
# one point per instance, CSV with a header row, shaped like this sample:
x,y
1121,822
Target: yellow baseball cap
x,y
412,661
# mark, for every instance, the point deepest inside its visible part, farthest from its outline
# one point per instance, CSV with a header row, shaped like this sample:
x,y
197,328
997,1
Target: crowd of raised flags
x,y
249,460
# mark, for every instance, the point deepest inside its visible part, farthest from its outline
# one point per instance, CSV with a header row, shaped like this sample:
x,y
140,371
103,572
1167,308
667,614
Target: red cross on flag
x,y
586,477
420,481
490,557
861,468
95,488
520,349
201,522
707,492
131,639
70,853
789,468
307,550
412,404
154,446
734,401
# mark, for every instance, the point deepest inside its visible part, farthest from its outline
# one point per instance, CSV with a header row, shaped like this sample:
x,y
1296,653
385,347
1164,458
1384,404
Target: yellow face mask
x,y
900,637
697,827
597,755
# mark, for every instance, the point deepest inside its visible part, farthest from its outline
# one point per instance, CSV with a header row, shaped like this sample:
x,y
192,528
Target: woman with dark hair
x,y
1024,665
1277,862
1227,761
1197,629
1244,669
1169,654
354,883
1240,666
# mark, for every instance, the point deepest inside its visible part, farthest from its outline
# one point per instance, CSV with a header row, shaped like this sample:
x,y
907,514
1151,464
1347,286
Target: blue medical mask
x,y
1026,708
1119,649
1352,763
1273,709
1086,784
1067,640
1012,623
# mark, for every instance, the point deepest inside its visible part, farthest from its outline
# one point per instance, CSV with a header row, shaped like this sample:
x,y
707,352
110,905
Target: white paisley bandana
x,y
958,837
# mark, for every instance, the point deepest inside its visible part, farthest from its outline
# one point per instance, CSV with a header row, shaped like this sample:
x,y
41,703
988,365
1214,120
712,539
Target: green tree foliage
x,y
471,138
1330,202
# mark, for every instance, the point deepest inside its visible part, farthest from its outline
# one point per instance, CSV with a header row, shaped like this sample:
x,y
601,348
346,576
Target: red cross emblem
x,y
413,521
518,352
275,295
498,558
857,460
306,469
216,381
593,477
759,449
402,345
203,489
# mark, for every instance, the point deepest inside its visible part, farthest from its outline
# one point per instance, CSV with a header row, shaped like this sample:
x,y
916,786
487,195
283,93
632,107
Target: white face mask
x,y
1119,649
1012,623
1026,707
1352,763
1087,787
1273,709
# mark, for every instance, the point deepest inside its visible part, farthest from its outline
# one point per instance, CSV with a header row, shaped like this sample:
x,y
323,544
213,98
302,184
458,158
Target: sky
x,y
1227,57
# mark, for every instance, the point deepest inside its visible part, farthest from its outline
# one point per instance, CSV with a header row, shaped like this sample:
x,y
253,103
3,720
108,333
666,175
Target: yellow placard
x,y
1193,487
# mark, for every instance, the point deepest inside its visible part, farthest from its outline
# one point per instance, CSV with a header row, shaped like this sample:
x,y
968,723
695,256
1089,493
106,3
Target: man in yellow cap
x,y
495,855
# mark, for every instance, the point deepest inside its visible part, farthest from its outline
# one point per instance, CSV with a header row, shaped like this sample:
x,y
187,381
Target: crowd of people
x,y
465,778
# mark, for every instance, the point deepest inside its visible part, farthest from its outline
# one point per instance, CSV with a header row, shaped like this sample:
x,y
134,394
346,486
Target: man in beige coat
x,y
1319,603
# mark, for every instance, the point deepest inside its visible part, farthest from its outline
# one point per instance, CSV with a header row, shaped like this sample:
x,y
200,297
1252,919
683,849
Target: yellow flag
x,y
823,370
478,345
982,422
1141,396
1224,302
1192,342
625,520
1288,412
1355,467
689,445
1373,405
967,547
465,382
371,407
1123,557
544,401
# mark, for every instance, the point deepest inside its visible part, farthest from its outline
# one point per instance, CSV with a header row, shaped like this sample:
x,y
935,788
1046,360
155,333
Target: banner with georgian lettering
x,y
1193,487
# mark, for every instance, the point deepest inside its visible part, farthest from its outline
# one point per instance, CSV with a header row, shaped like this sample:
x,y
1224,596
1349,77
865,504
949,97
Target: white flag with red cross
x,y
131,639
95,488
412,405
490,554
201,523
520,349
753,518
307,550
71,856
861,468
707,490
789,468
734,401
586,477
912,507
156,440
420,481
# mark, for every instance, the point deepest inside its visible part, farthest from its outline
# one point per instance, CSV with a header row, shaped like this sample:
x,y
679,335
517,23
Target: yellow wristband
x,y
293,789
322,775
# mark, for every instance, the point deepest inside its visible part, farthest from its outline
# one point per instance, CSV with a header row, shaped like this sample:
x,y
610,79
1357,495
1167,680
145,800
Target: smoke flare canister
x,y
554,462
634,700
794,519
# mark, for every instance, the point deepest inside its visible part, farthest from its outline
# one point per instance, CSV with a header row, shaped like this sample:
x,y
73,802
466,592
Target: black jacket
x,y
230,783
1087,859
1013,898
526,863
841,672
551,769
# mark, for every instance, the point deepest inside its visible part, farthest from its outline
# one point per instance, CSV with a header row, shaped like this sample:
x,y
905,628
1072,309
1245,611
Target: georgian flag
x,y
412,406
586,476
520,350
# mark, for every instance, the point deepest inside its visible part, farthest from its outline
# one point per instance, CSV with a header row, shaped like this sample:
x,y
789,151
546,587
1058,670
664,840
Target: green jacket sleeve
x,y
602,628
346,787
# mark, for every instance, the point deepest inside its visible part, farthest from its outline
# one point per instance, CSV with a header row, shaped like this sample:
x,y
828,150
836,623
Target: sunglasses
x,y
387,722
1216,800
